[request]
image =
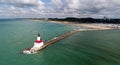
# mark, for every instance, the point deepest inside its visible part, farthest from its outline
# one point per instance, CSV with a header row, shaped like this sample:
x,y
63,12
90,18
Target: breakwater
x,y
56,39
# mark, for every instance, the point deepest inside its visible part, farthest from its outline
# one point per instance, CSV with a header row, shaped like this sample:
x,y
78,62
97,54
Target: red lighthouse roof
x,y
38,41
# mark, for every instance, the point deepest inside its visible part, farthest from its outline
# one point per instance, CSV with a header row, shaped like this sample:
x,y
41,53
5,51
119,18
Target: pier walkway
x,y
56,39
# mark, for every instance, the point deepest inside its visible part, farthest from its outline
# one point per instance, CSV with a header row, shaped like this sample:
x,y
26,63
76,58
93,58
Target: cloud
x,y
60,8
22,3
93,7
21,7
57,3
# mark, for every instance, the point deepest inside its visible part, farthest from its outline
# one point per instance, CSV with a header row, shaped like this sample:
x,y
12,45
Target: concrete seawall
x,y
57,39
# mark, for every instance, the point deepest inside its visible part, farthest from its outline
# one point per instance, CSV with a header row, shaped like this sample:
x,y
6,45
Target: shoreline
x,y
97,26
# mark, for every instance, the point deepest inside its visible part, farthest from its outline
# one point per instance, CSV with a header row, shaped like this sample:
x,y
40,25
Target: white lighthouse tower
x,y
37,44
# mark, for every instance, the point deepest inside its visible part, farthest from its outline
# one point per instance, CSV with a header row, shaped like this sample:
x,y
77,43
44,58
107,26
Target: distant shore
x,y
90,25
98,24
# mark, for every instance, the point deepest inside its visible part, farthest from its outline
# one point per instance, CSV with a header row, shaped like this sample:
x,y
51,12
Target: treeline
x,y
87,20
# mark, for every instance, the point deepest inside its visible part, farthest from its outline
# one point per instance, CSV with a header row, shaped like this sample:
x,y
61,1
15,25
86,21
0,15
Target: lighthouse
x,y
37,44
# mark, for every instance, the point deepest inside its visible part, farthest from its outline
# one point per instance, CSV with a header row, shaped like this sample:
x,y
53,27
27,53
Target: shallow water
x,y
83,48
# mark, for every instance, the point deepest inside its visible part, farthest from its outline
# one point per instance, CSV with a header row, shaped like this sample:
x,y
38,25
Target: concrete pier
x,y
56,39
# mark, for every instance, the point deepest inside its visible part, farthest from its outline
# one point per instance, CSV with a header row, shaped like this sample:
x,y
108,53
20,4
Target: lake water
x,y
83,48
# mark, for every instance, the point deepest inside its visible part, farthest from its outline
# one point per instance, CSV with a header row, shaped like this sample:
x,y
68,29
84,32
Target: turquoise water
x,y
83,48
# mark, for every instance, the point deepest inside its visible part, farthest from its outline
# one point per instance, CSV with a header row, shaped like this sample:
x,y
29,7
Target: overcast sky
x,y
59,8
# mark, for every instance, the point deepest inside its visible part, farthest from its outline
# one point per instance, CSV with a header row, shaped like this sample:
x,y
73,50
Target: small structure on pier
x,y
37,45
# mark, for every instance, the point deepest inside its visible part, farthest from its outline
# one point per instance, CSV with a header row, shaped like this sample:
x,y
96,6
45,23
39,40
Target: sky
x,y
59,8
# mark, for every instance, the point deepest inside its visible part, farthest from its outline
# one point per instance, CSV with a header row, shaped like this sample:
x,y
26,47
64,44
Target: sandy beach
x,y
93,26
